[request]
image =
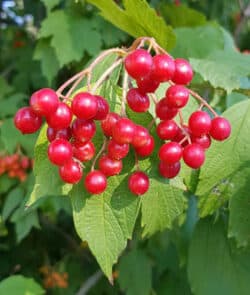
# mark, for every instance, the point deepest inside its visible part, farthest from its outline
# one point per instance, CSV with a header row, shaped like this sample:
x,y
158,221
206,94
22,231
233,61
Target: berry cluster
x,y
72,126
16,166
54,279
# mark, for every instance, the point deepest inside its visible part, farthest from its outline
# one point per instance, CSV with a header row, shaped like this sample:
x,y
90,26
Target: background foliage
x,y
187,236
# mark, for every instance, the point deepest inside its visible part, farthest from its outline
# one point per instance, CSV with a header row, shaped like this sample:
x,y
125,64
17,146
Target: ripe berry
x,y
137,101
138,183
183,72
117,151
147,149
141,136
95,182
163,68
83,151
52,134
138,63
167,130
181,134
177,96
204,141
44,102
61,118
84,105
199,123
169,170
170,152
109,166
71,172
163,111
83,130
60,152
108,123
193,155
102,108
147,84
27,121
220,129
123,131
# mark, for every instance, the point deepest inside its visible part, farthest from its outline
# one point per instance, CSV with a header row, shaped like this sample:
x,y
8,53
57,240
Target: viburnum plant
x,y
72,119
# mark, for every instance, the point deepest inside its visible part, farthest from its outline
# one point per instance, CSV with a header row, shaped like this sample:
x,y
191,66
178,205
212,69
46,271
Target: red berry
x,y
102,108
204,141
137,101
84,105
169,170
177,96
138,63
193,155
52,134
199,123
220,129
163,111
163,68
83,130
95,182
181,134
147,84
117,151
60,152
83,151
123,131
170,152
183,72
61,118
25,162
27,121
138,183
71,172
44,102
167,130
109,166
141,136
108,123
147,149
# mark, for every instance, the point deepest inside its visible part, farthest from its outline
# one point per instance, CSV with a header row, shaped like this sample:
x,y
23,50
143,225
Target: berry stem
x,y
181,117
151,124
154,98
137,167
102,149
124,94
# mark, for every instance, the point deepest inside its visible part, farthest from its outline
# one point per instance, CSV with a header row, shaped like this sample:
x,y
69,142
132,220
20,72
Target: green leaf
x,y
182,15
47,180
105,221
10,104
234,98
223,69
135,273
71,36
198,42
20,284
137,19
13,199
47,56
215,267
50,3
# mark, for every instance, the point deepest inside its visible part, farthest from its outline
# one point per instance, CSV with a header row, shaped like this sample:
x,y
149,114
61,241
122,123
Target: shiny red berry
x,y
204,140
83,151
141,136
52,134
123,131
163,111
169,170
137,101
109,166
220,129
199,123
138,64
167,130
117,151
194,155
181,134
71,172
147,149
147,84
177,96
138,183
170,152
163,68
27,121
95,182
83,130
183,72
61,118
84,105
102,108
44,102
60,152
108,123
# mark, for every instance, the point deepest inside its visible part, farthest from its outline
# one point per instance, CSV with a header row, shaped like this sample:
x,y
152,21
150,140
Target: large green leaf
x,y
20,285
13,199
137,19
71,36
47,180
51,3
214,266
223,69
135,273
